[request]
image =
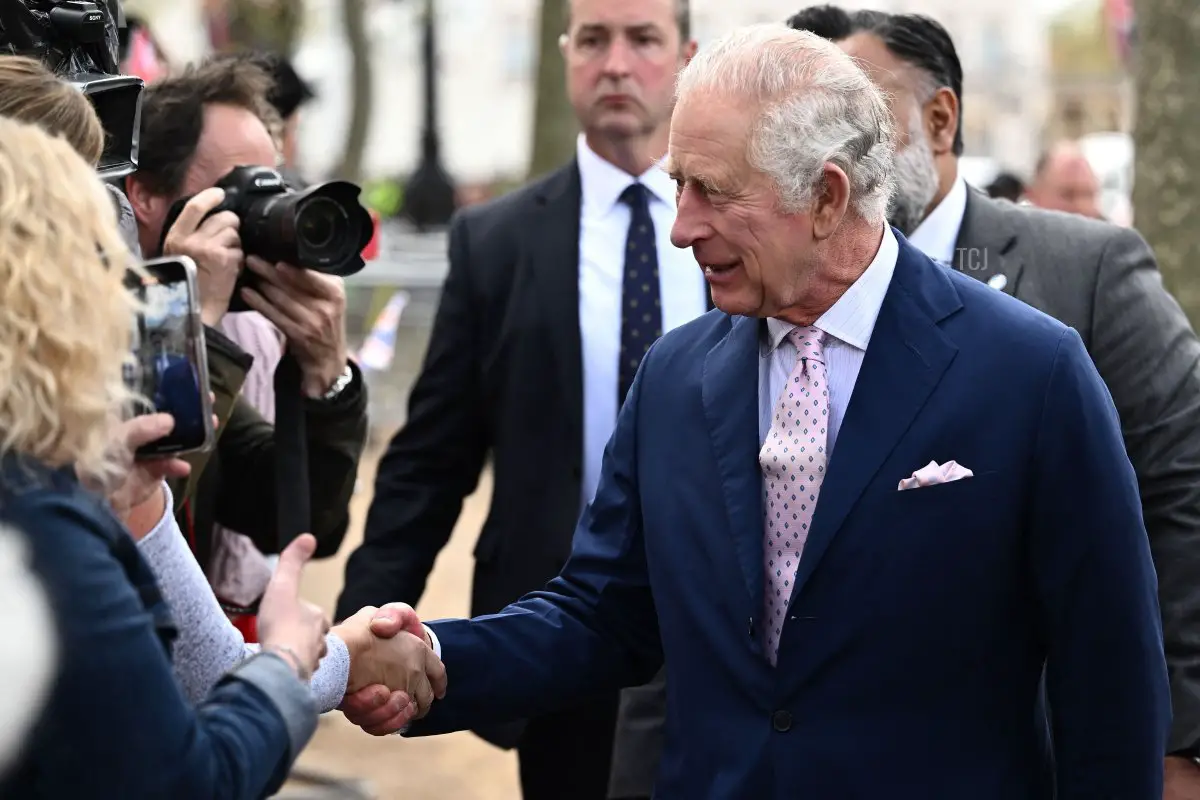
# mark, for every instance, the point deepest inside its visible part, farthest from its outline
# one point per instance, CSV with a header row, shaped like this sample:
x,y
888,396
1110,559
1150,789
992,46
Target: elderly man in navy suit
x,y
855,584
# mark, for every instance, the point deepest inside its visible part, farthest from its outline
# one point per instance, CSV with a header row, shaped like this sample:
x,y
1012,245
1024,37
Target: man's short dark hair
x,y
289,91
683,17
915,39
173,115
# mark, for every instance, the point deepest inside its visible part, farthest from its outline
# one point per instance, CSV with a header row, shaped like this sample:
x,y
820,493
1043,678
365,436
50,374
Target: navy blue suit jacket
x,y
921,620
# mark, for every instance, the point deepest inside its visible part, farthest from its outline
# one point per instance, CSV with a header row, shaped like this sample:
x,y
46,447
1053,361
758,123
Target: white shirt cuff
x,y
437,651
433,641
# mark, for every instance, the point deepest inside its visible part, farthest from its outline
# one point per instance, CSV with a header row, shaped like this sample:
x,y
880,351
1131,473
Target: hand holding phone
x,y
170,366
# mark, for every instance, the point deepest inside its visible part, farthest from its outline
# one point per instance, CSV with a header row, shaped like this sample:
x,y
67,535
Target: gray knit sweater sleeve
x,y
209,645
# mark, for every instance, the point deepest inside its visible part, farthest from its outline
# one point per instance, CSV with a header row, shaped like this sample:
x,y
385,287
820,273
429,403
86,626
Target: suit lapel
x,y
905,360
730,397
553,263
985,249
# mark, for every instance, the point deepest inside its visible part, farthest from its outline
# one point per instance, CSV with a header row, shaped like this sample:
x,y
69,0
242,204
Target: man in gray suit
x,y
1098,278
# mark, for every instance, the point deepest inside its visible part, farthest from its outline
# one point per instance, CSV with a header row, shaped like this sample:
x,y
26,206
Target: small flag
x,y
379,348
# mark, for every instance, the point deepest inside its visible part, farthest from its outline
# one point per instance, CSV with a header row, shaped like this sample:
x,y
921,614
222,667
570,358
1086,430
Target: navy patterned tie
x,y
641,305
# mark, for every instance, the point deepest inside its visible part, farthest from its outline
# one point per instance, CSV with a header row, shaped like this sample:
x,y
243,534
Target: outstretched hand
x,y
396,676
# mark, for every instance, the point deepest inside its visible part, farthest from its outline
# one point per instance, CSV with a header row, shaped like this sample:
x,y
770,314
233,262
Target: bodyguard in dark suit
x,y
553,295
1100,279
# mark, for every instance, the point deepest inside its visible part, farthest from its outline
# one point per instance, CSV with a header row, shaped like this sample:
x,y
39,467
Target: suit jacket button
x,y
782,721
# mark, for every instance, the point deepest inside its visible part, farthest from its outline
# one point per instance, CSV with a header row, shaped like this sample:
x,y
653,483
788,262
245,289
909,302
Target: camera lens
x,y
321,223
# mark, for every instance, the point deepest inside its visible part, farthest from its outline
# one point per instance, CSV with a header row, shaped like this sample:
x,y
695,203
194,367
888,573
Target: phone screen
x,y
170,367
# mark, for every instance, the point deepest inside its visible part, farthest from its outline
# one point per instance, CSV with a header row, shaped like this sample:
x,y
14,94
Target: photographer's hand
x,y
214,245
310,310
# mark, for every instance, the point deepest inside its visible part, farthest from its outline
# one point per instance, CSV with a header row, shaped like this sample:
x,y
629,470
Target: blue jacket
x,y
920,622
116,724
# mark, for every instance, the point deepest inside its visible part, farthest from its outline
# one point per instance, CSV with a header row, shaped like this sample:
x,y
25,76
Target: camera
x,y
323,228
79,42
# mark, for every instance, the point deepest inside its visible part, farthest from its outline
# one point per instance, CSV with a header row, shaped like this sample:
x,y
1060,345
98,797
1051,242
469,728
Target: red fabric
x,y
371,251
247,624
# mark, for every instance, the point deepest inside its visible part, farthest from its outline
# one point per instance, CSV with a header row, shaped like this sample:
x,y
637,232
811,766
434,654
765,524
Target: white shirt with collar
x,y
937,235
603,229
848,325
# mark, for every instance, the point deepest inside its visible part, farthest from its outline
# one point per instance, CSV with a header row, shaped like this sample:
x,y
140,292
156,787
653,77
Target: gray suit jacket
x,y
1103,281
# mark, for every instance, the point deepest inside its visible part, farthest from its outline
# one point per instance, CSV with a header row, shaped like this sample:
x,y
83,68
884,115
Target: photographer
x,y
196,128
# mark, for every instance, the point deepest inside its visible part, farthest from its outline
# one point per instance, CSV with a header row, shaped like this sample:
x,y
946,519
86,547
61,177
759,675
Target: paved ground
x,y
455,767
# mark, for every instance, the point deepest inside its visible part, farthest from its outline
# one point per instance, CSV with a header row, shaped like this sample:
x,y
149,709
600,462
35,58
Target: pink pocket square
x,y
934,473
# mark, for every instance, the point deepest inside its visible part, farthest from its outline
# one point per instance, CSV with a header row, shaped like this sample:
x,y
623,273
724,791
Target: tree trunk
x,y
1166,192
263,25
554,125
361,90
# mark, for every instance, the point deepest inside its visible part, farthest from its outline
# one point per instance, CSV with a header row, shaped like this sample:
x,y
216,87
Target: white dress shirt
x,y
604,227
937,235
848,325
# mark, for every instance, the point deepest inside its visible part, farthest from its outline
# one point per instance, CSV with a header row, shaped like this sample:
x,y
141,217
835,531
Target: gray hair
x,y
818,107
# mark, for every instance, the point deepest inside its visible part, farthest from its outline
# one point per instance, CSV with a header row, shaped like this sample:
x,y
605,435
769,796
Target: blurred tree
x,y
263,25
362,90
554,124
1166,191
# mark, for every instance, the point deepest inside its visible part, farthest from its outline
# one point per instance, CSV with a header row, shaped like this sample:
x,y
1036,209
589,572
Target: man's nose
x,y
618,58
689,228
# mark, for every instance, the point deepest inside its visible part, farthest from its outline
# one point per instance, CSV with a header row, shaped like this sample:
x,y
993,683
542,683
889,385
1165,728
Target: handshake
x,y
394,674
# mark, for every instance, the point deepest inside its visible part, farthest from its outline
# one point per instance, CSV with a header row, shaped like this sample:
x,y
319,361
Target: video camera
x,y
323,228
78,40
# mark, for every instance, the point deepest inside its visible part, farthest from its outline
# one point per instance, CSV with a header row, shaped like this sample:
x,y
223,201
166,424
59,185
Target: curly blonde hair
x,y
66,317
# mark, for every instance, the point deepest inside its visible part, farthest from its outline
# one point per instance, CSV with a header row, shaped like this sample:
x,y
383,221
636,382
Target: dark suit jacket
x,y
1102,280
920,621
503,378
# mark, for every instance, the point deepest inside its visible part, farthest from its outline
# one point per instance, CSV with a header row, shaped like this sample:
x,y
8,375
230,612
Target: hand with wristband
x,y
288,626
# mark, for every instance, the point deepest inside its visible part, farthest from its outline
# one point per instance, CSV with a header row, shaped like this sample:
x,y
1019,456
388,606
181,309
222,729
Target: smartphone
x,y
169,370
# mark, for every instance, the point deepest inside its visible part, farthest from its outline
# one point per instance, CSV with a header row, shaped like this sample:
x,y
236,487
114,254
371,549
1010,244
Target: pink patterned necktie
x,y
793,465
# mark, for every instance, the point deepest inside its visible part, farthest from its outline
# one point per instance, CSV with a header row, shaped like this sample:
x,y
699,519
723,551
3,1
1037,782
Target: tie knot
x,y
636,196
808,340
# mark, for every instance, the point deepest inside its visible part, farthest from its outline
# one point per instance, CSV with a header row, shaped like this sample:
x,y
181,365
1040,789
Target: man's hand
x,y
369,702
1181,779
310,310
214,245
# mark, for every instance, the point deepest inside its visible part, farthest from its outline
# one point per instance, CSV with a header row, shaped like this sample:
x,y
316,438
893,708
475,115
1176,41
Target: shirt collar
x,y
602,183
852,318
937,235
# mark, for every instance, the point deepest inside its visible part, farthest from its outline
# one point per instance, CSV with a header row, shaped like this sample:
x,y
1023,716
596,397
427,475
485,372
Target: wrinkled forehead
x,y
709,136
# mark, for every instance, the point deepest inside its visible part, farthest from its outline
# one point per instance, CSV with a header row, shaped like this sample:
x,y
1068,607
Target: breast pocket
x,y
943,522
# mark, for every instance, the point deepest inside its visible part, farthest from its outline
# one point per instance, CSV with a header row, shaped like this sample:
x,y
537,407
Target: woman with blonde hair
x,y
116,723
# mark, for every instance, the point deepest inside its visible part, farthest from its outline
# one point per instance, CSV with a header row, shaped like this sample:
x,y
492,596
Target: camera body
x,y
78,40
322,228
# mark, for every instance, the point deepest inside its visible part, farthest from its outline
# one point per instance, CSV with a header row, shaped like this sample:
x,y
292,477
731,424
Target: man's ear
x,y
941,121
146,204
689,51
829,205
